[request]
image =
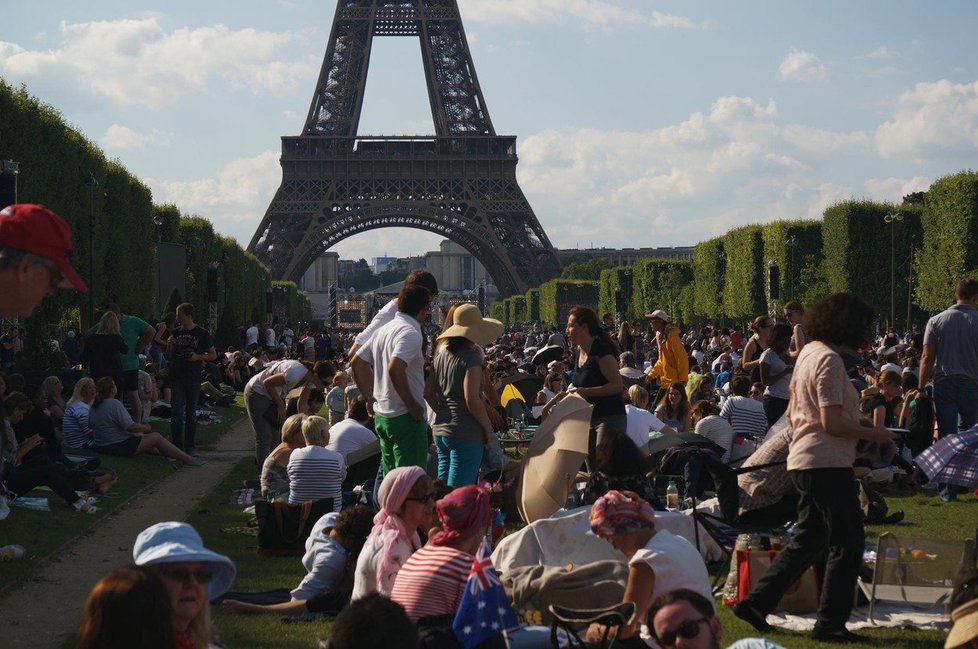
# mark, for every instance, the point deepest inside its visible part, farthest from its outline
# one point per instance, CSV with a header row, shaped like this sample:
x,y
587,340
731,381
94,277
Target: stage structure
x,y
460,183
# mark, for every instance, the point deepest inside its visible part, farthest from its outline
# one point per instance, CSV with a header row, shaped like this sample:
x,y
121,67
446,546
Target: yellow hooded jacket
x,y
673,364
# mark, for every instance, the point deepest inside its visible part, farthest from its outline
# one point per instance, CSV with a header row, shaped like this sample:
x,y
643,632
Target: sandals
x,y
85,506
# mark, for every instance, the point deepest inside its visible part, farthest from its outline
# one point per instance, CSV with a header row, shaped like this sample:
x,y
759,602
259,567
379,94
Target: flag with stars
x,y
484,610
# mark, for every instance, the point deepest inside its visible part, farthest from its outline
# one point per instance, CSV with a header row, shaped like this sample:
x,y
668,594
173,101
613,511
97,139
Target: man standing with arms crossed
x,y
950,357
188,349
389,371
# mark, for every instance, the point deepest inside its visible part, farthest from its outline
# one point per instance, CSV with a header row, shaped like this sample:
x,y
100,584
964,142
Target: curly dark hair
x,y
840,319
354,524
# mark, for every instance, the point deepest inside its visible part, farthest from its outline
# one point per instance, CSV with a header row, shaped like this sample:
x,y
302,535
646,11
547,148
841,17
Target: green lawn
x,y
46,534
254,573
927,517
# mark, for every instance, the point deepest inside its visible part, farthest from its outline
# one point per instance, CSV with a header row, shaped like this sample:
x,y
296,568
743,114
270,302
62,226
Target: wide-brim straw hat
x,y
965,629
470,324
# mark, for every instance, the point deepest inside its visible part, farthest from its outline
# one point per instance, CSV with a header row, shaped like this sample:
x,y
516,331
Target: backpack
x,y
920,423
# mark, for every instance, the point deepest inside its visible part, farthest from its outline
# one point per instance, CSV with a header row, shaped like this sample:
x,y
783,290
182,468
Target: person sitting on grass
x,y
20,477
274,473
331,556
314,403
53,399
658,561
407,502
315,472
75,424
117,434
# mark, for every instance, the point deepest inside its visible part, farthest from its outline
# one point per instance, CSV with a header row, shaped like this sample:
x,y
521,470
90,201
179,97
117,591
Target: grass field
x,y
926,515
47,534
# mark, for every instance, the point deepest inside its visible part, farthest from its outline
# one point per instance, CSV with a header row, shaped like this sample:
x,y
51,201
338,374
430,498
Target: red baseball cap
x,y
37,230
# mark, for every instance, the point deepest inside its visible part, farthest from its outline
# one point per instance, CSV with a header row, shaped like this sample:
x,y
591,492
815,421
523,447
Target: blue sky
x,y
640,122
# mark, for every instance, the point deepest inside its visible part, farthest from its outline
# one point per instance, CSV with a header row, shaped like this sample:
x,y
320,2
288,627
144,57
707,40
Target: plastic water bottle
x,y
11,552
672,496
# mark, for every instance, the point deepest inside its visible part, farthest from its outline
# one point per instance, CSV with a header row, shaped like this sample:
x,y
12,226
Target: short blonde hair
x,y
292,430
316,430
339,377
637,394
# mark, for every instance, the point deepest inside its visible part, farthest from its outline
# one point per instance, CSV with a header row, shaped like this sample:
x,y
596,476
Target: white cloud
x,y
881,53
587,12
894,189
933,120
802,66
727,166
138,62
234,199
123,137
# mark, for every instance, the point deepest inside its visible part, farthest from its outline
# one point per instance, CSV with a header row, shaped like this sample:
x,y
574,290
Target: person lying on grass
x,y
117,434
331,556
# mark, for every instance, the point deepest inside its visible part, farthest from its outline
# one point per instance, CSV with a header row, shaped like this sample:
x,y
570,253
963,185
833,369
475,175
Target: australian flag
x,y
484,610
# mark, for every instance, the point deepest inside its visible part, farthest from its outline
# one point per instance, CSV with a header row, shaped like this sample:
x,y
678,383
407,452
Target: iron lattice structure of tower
x,y
460,184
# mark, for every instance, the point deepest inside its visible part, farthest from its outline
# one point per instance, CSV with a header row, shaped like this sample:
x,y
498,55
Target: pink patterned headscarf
x,y
395,488
615,513
462,513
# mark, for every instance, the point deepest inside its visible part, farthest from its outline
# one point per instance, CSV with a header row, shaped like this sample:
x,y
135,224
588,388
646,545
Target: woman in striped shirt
x,y
74,423
431,582
315,472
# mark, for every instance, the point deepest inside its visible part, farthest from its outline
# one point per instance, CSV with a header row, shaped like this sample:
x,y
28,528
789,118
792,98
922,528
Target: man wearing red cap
x,y
35,248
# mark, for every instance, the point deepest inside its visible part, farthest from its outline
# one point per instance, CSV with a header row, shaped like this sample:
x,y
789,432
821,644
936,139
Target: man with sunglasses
x,y
684,619
35,248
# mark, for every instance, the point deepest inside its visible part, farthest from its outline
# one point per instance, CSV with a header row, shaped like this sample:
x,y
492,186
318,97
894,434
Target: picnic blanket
x,y
886,614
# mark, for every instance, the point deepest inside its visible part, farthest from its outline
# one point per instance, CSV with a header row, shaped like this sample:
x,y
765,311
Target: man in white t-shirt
x,y
269,336
352,434
389,371
251,335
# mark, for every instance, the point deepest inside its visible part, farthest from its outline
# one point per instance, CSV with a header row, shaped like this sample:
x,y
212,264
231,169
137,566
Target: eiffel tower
x,y
460,184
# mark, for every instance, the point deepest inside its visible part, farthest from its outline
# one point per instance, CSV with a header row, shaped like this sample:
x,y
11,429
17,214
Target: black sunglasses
x,y
424,500
183,575
687,631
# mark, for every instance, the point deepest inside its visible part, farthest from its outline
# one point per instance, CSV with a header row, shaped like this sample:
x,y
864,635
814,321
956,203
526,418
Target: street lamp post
x,y
158,222
892,219
792,242
91,183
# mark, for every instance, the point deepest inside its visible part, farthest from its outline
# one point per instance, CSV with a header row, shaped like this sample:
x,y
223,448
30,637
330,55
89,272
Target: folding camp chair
x,y
571,620
725,528
916,571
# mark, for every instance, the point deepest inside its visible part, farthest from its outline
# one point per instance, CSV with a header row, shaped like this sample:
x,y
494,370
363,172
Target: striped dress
x,y
432,581
315,473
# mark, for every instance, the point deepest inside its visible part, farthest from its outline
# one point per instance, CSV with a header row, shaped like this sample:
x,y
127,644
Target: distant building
x,y
455,269
625,256
381,264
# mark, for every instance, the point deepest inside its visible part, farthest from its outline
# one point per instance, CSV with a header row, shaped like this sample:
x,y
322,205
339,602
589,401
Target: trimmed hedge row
x,y
950,239
709,267
533,305
744,274
611,282
55,160
663,284
558,295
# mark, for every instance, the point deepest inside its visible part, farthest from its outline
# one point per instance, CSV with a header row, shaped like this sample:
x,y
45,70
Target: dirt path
x,y
44,612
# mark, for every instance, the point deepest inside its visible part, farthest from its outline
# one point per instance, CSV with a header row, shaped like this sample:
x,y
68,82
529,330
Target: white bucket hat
x,y
174,542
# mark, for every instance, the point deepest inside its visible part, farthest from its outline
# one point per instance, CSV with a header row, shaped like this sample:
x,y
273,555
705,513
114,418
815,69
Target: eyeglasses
x,y
183,575
687,631
424,500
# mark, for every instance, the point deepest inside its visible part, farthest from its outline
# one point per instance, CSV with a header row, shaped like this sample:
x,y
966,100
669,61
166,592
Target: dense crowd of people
x,y
398,430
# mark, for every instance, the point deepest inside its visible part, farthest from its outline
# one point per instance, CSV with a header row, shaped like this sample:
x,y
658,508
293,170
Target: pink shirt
x,y
820,380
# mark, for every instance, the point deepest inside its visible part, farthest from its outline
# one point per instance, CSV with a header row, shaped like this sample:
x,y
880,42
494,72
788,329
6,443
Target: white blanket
x,y
565,538
888,614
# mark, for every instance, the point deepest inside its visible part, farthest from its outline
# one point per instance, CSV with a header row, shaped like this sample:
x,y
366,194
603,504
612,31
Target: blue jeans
x,y
184,392
956,409
458,460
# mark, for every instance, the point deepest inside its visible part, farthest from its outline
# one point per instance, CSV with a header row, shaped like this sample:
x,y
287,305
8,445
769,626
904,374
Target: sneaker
x,y
746,613
841,636
197,461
